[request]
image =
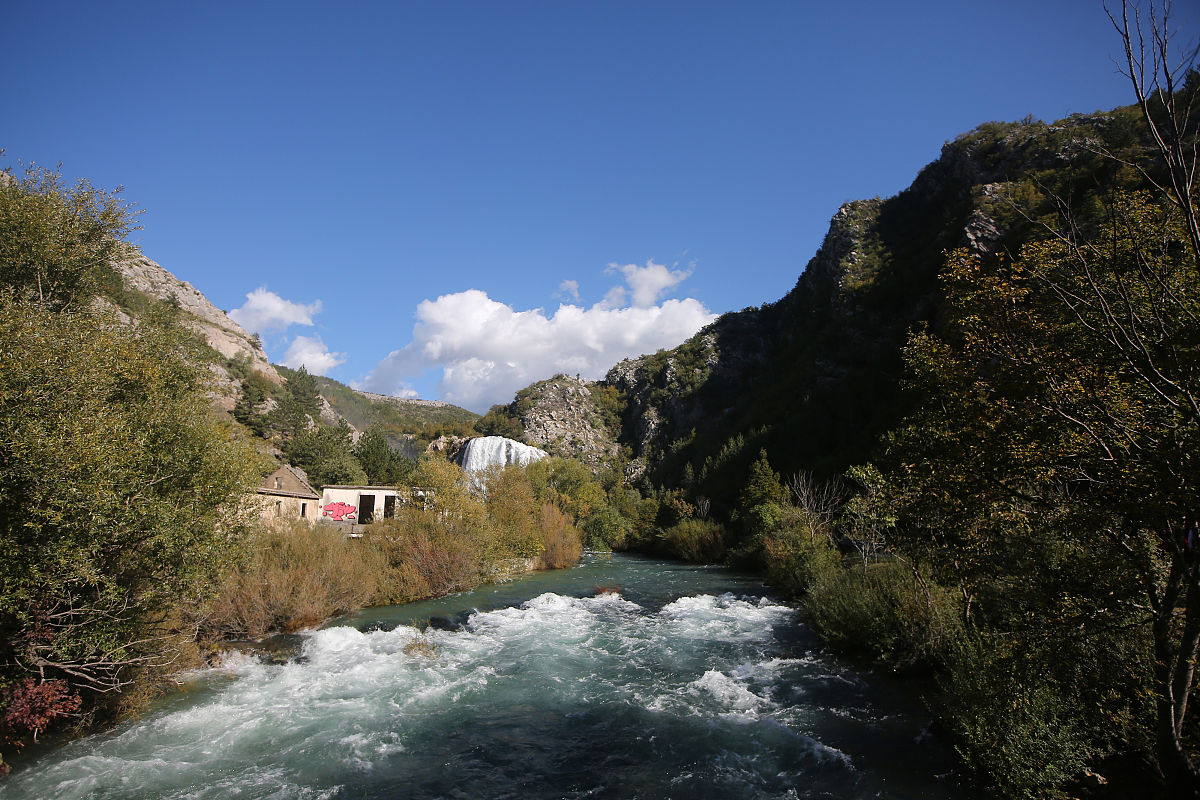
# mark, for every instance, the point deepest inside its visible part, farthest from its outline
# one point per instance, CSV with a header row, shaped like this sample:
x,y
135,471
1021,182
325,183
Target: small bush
x,y
883,612
698,540
296,576
561,542
796,555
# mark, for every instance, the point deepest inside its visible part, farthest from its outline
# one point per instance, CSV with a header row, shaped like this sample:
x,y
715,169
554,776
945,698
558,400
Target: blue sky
x,y
453,199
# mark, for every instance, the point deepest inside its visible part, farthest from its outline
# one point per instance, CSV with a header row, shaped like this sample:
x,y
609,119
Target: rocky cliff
x,y
221,333
565,416
816,377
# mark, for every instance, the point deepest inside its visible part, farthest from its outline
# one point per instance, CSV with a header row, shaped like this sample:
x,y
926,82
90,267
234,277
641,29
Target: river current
x,y
690,683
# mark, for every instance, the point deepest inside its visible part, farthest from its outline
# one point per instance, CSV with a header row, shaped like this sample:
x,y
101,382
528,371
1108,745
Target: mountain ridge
x,y
817,376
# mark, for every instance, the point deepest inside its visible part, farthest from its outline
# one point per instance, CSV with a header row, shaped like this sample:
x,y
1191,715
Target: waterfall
x,y
484,451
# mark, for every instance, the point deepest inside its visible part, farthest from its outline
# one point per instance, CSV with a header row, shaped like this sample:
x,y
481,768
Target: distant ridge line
x,y
407,401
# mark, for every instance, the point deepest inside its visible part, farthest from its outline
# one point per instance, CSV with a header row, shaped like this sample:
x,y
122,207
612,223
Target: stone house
x,y
287,494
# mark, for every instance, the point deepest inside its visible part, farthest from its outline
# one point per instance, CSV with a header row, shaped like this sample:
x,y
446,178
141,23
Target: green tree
x,y
452,491
326,455
499,421
117,482
513,510
57,244
383,465
300,405
762,498
253,394
569,485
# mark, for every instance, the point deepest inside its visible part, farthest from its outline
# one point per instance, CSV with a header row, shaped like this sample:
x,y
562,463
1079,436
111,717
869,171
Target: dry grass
x,y
295,577
421,647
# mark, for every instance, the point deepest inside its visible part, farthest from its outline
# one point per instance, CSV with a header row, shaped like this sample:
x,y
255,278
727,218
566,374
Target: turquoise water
x,y
691,683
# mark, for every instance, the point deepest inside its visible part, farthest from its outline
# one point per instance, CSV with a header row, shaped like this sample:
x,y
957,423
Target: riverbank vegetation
x,y
125,537
1027,536
113,469
297,575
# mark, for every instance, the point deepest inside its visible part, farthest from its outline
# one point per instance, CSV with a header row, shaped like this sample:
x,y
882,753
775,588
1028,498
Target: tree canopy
x,y
58,243
115,473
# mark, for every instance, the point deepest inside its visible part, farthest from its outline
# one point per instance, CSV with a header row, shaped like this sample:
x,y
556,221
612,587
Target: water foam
x,y
488,451
559,696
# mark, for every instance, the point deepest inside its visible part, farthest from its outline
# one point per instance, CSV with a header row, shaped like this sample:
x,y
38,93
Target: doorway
x,y
366,509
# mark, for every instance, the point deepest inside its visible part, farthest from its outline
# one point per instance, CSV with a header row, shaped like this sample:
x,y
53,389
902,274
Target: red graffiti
x,y
338,510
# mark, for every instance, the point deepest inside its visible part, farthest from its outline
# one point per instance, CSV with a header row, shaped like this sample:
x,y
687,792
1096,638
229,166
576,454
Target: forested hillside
x,y
816,377
967,439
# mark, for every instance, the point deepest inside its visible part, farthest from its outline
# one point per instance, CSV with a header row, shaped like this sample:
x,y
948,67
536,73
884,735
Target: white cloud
x,y
648,283
487,350
568,290
313,354
265,311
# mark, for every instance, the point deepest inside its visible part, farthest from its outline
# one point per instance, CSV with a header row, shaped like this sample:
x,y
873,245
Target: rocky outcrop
x,y
448,447
405,401
328,415
561,416
222,334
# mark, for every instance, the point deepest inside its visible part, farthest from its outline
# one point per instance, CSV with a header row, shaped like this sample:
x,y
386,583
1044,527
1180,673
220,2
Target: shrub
x,y
513,511
295,576
1011,720
561,542
606,529
797,554
883,612
427,554
698,540
30,706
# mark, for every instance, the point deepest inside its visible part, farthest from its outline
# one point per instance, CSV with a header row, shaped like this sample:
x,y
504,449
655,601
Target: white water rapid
x,y
707,695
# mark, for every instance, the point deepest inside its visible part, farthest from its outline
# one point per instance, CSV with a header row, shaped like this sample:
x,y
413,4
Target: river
x,y
691,683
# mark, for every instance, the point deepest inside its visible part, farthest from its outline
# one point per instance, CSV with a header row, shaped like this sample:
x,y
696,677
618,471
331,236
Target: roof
x,y
374,488
287,481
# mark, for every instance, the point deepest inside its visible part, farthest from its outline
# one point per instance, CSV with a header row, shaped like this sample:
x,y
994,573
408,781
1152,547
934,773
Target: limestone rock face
x,y
328,415
404,401
447,446
196,312
222,334
561,417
